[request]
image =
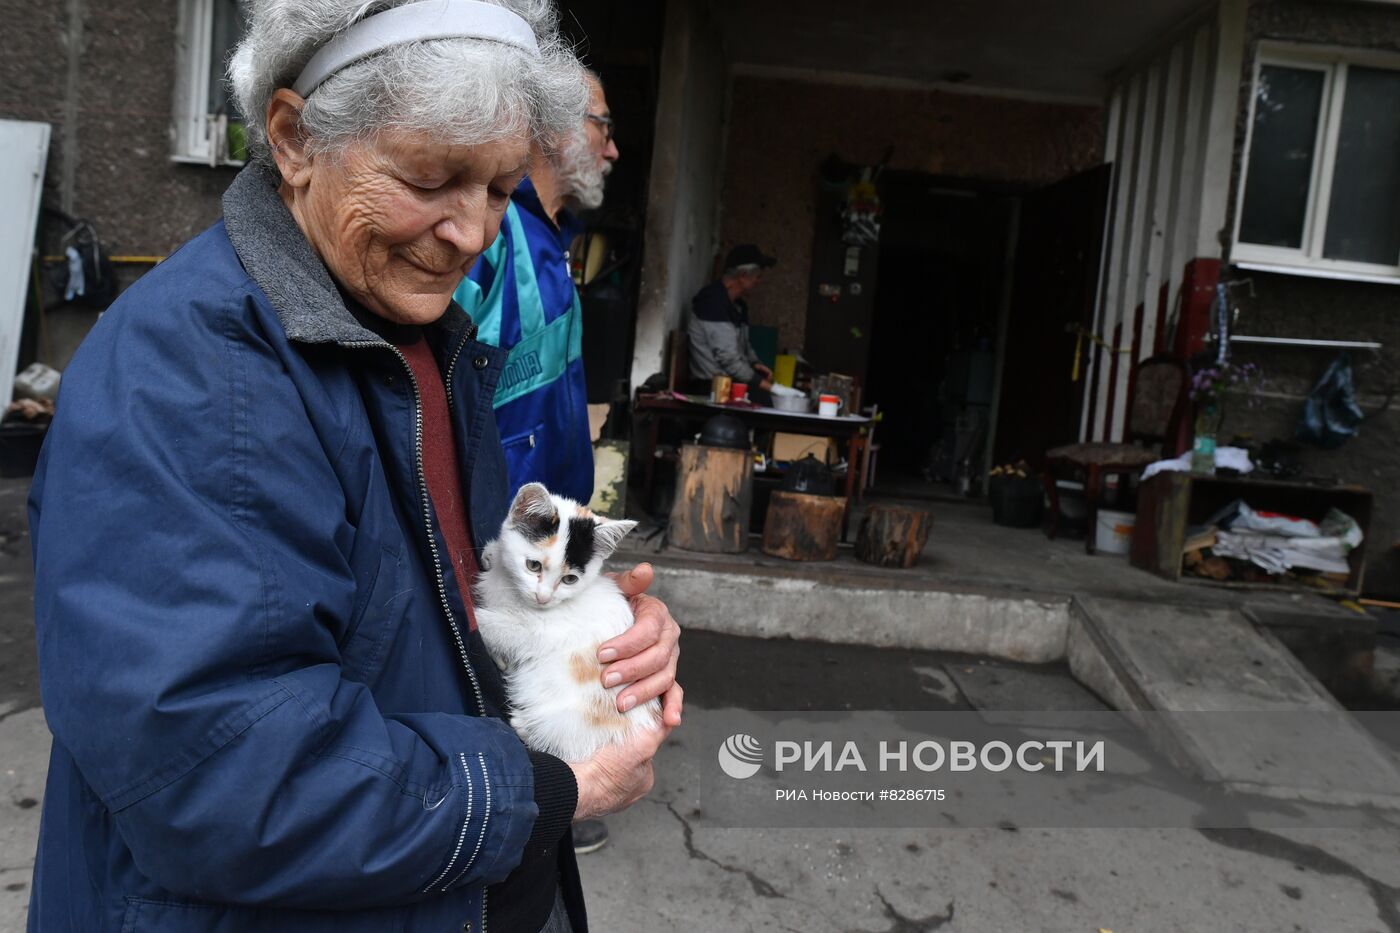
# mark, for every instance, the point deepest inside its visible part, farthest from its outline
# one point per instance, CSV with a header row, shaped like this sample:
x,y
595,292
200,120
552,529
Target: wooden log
x,y
714,495
803,527
893,535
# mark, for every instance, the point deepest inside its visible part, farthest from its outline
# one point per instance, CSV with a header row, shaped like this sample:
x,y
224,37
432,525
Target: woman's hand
x,y
617,776
645,655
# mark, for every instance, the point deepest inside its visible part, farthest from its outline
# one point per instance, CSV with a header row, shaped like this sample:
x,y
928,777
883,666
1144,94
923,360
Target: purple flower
x,y
1210,382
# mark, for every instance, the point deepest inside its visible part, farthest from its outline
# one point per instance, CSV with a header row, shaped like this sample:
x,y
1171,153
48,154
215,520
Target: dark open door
x,y
840,306
1055,279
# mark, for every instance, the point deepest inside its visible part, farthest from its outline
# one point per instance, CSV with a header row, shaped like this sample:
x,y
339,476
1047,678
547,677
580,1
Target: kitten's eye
x,y
571,578
533,566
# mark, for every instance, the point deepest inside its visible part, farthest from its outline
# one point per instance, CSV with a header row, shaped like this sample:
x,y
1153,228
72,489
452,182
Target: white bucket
x,y
1114,531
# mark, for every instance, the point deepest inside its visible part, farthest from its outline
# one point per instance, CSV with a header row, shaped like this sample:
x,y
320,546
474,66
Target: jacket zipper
x,y
427,510
427,519
452,409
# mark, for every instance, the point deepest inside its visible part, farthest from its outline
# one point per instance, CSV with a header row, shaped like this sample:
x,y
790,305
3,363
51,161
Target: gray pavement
x,y
669,867
24,740
664,870
24,760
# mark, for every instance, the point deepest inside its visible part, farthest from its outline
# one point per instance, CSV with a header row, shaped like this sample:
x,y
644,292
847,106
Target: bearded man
x,y
521,295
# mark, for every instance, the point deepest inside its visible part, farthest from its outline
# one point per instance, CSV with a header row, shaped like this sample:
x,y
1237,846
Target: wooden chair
x,y
870,455
1157,404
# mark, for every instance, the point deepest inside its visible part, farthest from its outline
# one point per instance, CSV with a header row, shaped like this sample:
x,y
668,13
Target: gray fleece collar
x,y
280,259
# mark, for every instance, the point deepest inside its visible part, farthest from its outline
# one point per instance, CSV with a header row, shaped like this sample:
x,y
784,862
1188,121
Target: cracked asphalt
x,y
669,867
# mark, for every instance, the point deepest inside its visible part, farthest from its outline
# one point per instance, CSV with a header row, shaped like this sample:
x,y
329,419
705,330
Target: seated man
x,y
719,326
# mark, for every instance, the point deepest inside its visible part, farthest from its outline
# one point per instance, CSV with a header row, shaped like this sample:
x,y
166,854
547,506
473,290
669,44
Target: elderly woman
x,y
258,511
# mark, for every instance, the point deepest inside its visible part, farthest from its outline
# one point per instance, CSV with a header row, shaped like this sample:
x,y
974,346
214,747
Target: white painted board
x,y
24,150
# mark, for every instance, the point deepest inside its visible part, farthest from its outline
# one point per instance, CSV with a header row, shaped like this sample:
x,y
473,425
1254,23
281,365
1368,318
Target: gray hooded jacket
x,y
719,336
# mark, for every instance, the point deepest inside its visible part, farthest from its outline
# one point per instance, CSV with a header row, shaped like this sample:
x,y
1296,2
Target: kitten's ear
x,y
533,513
607,535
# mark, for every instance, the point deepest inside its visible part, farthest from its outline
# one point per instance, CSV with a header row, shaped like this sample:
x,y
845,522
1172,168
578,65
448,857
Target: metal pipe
x,y
1306,342
121,260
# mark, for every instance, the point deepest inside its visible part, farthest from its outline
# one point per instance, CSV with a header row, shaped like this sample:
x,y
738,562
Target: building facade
x,y
1250,142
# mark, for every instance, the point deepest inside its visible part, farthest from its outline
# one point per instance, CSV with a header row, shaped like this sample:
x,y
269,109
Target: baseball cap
x,y
747,254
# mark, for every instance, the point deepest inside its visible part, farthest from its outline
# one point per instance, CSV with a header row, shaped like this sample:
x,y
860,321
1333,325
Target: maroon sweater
x,y
441,468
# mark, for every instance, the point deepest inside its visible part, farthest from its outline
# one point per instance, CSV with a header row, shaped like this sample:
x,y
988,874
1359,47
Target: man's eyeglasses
x,y
605,122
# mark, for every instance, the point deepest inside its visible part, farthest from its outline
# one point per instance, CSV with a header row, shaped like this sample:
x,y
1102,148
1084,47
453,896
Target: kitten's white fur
x,y
544,632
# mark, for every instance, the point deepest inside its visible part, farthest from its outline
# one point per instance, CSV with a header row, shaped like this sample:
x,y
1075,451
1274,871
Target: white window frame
x,y
196,136
1307,259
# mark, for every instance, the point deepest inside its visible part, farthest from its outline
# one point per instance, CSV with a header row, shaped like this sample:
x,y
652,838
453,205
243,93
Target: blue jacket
x,y
269,712
522,296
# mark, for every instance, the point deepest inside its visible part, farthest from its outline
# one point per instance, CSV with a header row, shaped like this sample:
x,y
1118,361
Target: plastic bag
x,y
1274,523
1330,413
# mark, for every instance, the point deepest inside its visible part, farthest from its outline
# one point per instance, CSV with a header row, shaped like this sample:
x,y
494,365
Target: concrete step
x,y
844,605
1226,701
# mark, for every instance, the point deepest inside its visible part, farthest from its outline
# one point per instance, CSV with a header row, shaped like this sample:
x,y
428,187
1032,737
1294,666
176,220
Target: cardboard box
x,y
791,447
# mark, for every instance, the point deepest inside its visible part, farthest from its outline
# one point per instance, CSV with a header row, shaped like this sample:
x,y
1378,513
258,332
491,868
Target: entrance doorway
x,y
969,272
1059,240
932,353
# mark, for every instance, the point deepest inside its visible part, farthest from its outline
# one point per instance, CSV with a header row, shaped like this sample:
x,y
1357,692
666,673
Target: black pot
x,y
811,476
20,442
1016,502
725,431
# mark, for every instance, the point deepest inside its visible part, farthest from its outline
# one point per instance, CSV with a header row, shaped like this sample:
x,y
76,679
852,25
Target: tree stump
x,y
803,527
714,494
893,535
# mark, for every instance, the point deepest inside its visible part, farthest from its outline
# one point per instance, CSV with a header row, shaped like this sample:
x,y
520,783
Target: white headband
x,y
415,22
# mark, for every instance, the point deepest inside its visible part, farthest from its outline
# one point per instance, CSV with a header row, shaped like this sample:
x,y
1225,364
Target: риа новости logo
x,y
740,756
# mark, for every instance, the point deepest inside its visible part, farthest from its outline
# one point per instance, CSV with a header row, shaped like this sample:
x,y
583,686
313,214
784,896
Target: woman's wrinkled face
x,y
399,219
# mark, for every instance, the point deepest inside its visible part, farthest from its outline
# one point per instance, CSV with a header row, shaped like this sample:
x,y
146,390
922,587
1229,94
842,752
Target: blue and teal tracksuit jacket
x,y
523,298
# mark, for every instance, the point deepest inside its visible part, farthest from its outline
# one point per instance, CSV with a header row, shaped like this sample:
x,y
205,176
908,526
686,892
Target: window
x,y
1321,191
207,127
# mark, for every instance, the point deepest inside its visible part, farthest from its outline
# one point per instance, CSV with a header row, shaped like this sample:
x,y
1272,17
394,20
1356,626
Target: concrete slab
x,y
1228,681
832,605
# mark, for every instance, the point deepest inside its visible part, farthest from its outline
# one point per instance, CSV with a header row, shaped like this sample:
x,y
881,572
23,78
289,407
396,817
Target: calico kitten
x,y
543,608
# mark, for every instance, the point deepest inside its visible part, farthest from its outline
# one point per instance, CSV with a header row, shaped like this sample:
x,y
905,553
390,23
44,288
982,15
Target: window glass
x,y
226,31
1363,219
1281,152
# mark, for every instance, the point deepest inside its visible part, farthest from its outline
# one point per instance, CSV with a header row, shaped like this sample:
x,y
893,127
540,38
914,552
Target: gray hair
x,y
582,179
461,91
747,268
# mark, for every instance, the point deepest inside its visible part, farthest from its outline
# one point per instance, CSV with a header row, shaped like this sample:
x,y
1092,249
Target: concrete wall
x,y
1297,306
683,196
782,129
102,74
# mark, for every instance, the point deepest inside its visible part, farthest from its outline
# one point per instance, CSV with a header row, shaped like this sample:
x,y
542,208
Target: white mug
x,y
828,405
